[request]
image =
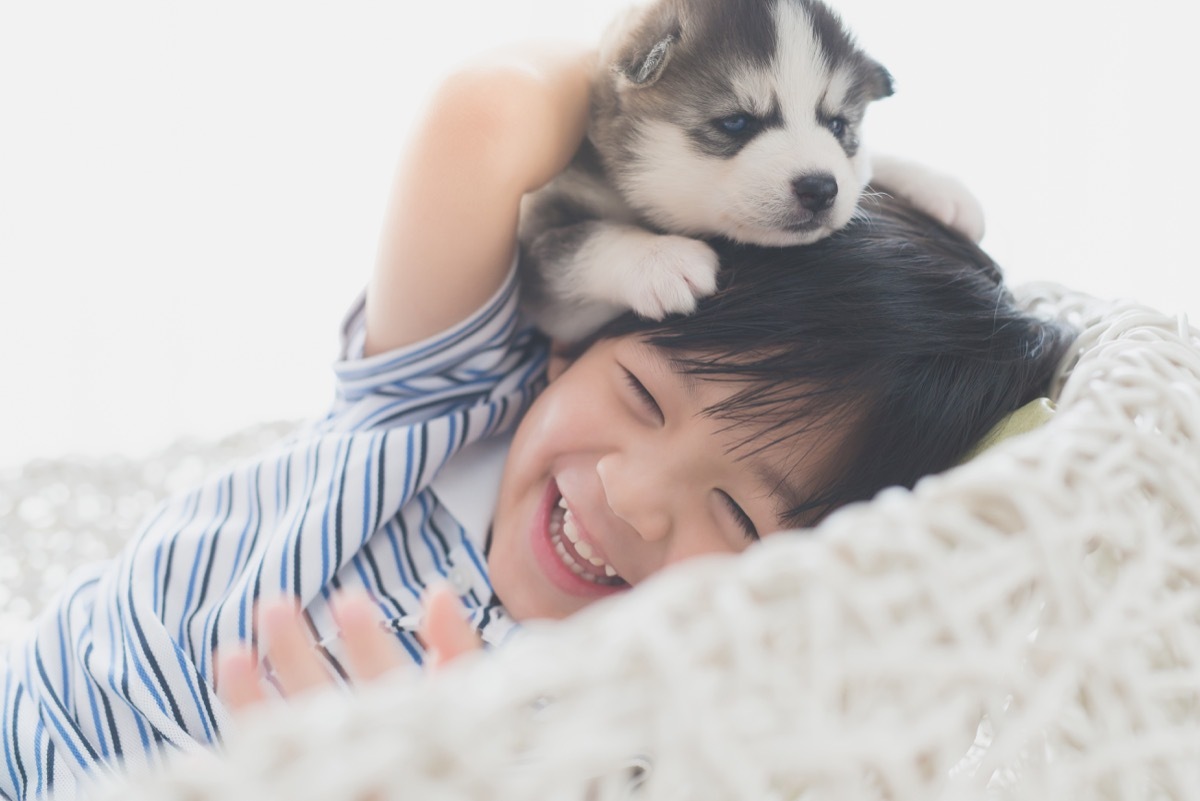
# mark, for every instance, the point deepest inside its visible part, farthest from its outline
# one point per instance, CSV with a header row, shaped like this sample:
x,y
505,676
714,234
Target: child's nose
x,y
635,497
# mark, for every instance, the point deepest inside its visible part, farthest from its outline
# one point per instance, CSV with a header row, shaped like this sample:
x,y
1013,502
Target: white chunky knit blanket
x,y
1025,626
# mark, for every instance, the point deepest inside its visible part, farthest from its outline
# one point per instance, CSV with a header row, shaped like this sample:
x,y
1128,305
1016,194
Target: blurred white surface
x,y
190,195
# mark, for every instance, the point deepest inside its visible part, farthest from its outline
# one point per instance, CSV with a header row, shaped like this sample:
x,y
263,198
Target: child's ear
x,y
559,360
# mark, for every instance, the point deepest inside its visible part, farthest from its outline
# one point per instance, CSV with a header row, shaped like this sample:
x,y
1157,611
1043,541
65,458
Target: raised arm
x,y
494,130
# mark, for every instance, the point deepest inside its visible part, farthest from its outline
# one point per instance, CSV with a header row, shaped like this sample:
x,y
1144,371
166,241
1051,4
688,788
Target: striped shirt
x,y
119,670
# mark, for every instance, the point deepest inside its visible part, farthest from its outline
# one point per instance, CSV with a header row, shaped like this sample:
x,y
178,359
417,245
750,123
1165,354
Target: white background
x,y
190,193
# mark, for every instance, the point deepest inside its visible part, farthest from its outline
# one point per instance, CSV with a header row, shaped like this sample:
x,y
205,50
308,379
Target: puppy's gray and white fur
x,y
734,118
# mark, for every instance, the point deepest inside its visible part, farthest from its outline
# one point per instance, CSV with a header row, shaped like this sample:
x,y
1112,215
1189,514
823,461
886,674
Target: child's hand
x,y
370,653
445,632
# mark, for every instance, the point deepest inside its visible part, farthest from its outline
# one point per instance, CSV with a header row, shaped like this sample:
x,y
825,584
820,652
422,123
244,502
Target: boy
x,y
811,378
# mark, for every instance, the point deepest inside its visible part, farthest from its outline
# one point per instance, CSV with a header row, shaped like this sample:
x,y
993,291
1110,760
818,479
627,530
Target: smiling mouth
x,y
575,553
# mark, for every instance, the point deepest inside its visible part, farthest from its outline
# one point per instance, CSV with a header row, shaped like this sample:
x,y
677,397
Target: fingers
x,y
444,630
296,664
370,651
289,649
238,684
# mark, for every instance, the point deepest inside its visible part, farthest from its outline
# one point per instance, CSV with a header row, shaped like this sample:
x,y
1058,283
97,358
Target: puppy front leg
x,y
580,276
939,195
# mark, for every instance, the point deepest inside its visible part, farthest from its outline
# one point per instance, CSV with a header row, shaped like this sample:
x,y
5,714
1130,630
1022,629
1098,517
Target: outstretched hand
x,y
371,651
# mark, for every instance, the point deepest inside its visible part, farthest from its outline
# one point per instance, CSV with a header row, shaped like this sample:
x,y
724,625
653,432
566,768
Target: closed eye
x,y
643,395
740,517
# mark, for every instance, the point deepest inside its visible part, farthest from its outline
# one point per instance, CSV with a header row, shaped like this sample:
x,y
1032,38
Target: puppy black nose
x,y
816,191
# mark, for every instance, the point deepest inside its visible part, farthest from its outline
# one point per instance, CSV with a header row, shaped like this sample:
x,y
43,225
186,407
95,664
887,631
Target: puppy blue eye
x,y
738,123
837,125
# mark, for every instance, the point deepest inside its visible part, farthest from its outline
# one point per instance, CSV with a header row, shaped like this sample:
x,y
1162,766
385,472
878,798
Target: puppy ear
x,y
880,84
645,68
647,49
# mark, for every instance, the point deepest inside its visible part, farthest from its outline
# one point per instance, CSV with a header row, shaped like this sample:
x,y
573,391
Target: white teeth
x,y
567,527
570,529
561,550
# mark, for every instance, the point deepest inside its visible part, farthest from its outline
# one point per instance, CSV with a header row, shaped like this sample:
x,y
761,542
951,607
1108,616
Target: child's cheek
x,y
574,414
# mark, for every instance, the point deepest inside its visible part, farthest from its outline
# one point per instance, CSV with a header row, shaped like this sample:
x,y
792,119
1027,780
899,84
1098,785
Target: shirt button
x,y
459,580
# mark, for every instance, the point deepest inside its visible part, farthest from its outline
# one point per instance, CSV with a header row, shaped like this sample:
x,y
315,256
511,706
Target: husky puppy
x,y
734,118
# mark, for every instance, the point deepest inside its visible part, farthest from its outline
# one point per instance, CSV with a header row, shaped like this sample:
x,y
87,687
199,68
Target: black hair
x,y
896,329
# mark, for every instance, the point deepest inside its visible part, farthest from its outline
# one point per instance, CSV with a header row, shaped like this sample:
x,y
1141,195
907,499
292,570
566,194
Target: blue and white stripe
x,y
119,671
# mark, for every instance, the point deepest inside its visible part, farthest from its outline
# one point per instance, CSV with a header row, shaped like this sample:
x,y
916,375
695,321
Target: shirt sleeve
x,y
492,353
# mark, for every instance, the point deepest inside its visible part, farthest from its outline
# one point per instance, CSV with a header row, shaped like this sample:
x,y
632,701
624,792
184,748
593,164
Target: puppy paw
x,y
939,195
953,205
670,275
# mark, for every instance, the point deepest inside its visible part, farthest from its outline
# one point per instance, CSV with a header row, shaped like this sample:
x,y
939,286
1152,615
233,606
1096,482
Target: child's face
x,y
649,480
